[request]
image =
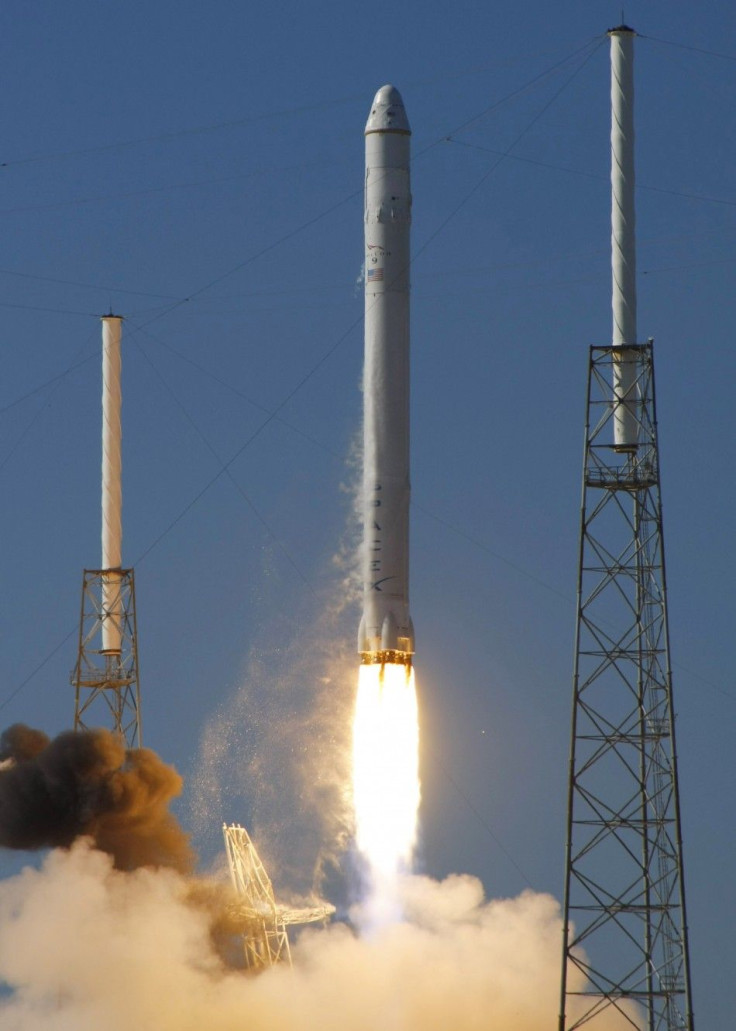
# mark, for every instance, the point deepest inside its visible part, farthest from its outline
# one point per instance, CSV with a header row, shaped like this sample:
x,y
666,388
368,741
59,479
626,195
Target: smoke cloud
x,y
110,932
86,946
55,791
276,756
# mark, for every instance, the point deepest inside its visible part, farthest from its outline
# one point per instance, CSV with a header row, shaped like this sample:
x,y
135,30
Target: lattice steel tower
x,y
105,677
625,950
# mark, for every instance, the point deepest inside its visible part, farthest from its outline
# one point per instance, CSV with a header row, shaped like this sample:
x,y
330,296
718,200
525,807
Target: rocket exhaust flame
x,y
386,785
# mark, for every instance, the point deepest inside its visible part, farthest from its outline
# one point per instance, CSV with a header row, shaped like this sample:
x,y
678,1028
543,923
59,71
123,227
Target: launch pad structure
x,y
106,683
105,676
266,941
624,908
625,955
264,921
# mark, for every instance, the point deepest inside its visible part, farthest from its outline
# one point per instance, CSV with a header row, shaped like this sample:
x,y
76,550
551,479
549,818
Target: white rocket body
x,y
386,633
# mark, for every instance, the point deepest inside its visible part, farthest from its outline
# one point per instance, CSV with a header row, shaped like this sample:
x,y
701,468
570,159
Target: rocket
x,y
386,633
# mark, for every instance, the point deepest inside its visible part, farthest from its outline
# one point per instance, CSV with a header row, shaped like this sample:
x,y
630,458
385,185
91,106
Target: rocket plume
x,y
386,787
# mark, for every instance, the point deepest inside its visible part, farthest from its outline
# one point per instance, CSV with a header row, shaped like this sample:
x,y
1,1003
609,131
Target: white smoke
x,y
276,755
85,947
360,280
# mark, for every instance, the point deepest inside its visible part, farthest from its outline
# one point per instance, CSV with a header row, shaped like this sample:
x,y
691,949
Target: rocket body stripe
x,y
386,632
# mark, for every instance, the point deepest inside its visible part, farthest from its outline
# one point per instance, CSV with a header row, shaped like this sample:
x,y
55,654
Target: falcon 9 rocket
x,y
386,633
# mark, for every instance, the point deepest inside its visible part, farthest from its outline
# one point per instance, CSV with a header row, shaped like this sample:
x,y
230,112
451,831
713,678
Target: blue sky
x,y
198,168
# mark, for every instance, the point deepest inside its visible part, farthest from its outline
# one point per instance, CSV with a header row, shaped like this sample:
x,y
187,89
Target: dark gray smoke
x,y
86,784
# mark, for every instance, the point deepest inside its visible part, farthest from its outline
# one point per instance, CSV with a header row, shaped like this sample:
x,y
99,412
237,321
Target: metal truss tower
x,y
105,677
263,921
625,957
107,692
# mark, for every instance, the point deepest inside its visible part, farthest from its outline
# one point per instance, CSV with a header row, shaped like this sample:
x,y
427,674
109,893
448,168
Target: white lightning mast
x,y
625,961
112,489
623,238
105,677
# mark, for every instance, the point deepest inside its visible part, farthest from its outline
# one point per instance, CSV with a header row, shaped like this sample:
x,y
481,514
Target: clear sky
x,y
198,168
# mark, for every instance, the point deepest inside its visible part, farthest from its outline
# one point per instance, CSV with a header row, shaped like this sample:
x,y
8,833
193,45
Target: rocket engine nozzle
x,y
383,658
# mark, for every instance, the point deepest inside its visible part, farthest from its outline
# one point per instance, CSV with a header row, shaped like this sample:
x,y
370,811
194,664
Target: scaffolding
x,y
105,681
625,953
264,921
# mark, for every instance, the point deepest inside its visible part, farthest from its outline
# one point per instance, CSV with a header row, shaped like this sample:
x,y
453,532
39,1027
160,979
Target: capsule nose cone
x,y
388,113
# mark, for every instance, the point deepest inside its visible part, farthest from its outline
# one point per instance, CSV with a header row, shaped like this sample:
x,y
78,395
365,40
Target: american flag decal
x,y
375,275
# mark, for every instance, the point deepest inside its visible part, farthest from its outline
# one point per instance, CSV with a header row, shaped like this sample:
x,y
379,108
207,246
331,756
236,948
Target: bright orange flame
x,y
386,786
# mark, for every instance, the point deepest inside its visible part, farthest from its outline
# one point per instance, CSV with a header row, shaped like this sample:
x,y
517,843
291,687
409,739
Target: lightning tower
x,y
105,677
625,957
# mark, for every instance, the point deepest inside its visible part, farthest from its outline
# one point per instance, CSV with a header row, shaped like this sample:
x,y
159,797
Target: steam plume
x,y
85,946
119,941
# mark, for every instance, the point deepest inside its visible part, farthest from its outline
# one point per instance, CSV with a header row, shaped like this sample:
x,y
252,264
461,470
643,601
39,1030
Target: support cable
x,y
688,46
29,426
197,130
324,358
223,468
50,382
